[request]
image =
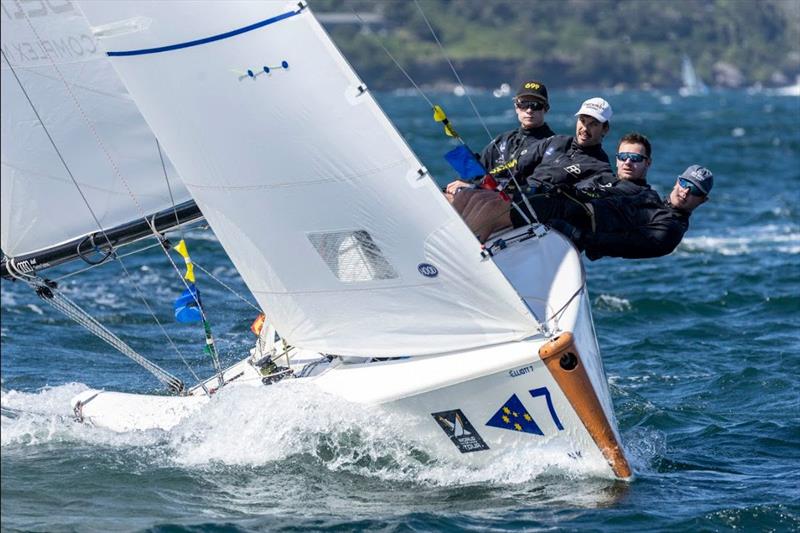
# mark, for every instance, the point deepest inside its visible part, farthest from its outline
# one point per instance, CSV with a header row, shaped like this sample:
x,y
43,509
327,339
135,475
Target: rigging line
x,y
55,147
54,297
563,308
388,53
169,339
90,126
232,290
90,267
455,73
214,357
169,188
115,168
86,201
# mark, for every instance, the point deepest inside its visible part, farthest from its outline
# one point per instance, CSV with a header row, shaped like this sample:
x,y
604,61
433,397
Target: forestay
x,y
92,120
335,226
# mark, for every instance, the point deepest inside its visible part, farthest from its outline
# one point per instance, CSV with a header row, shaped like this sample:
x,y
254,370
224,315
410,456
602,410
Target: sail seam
x,y
205,40
374,172
349,288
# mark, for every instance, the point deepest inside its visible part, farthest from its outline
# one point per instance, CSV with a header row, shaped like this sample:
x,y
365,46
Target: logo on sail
x,y
428,270
456,426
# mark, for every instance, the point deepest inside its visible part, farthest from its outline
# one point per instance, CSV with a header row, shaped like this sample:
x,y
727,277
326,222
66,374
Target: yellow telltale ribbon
x,y
440,116
181,249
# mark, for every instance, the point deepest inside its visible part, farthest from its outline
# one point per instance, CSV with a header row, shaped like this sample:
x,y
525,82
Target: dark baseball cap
x,y
535,89
700,176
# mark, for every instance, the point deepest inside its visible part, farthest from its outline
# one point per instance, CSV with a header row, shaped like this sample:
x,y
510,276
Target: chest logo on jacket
x,y
575,170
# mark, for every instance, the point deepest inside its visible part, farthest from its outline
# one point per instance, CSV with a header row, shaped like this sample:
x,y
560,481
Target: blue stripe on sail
x,y
207,39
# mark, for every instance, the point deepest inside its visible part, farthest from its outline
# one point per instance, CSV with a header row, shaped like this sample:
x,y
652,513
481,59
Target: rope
x,y
74,311
52,141
455,73
169,188
233,291
117,173
388,53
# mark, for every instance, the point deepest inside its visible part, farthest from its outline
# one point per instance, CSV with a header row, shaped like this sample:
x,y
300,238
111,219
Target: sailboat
x,y
373,287
788,90
692,84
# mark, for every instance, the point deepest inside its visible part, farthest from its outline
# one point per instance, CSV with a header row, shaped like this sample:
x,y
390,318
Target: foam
x,y
782,239
612,303
35,418
255,427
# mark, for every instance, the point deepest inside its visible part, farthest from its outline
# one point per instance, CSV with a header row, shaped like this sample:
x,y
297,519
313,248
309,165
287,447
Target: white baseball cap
x,y
597,108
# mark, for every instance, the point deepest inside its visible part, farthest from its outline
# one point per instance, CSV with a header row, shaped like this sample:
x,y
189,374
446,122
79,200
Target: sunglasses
x,y
533,105
633,157
694,190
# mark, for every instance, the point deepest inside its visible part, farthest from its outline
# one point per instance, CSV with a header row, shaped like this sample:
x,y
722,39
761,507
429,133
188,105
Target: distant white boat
x,y
503,90
692,84
789,90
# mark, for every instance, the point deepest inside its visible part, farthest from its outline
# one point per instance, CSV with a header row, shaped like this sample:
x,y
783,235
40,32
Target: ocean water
x,y
702,351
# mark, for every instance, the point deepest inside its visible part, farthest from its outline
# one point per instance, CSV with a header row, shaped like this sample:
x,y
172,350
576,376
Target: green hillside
x,y
733,43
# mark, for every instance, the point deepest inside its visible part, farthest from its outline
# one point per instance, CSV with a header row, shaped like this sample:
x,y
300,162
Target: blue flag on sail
x,y
464,162
187,307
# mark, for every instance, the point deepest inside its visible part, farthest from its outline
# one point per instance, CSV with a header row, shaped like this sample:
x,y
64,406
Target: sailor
x,y
530,104
557,160
564,159
641,225
499,157
633,160
632,226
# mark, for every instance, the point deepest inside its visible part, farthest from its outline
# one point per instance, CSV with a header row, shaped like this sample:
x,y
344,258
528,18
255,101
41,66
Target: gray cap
x,y
700,176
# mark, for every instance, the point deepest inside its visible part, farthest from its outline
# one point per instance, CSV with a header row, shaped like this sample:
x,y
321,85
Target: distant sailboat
x,y
789,90
692,84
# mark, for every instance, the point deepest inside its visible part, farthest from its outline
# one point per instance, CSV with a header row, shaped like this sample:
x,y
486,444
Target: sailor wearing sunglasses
x,y
530,104
632,226
565,159
499,157
633,161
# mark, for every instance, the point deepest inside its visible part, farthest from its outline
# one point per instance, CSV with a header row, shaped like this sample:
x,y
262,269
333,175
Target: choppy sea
x,y
702,351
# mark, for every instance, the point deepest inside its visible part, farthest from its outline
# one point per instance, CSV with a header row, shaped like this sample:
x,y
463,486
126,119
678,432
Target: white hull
x,y
456,399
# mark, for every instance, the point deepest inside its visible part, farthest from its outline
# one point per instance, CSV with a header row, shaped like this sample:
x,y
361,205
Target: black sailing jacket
x,y
635,226
500,155
559,160
631,221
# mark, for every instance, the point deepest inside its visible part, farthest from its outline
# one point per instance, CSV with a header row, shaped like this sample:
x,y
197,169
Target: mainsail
x,y
692,84
335,226
77,156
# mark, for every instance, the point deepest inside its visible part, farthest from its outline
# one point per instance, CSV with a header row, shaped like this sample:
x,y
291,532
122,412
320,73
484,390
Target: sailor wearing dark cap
x,y
530,104
635,226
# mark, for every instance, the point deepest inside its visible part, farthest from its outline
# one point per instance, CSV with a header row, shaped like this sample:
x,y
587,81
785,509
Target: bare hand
x,y
453,187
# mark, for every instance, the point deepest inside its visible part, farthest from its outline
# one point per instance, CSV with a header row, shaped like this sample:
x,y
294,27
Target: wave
x,y
608,302
770,238
277,425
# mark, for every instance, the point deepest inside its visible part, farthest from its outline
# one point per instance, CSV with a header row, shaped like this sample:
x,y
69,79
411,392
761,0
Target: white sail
x,y
91,118
331,220
692,84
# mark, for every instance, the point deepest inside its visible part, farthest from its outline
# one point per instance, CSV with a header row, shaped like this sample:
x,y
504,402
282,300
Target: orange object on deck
x,y
257,324
561,357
